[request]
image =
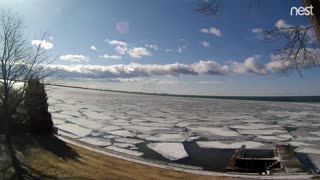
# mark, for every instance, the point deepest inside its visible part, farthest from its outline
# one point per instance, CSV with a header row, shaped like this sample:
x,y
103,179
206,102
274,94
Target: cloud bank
x,y
250,65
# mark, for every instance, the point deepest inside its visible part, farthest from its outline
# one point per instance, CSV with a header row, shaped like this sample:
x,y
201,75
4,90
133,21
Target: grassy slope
x,y
54,159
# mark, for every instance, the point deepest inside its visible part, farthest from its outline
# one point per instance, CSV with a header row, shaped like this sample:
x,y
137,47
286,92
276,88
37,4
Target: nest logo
x,y
301,11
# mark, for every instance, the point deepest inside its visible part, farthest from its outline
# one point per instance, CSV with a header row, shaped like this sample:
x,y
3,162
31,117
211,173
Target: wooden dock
x,y
283,162
290,163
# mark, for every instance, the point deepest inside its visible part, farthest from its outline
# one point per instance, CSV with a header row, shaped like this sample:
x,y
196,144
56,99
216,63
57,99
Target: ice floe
x,y
315,133
95,115
128,140
256,126
213,132
270,139
307,150
297,143
230,145
96,141
123,133
263,131
74,129
171,151
124,145
86,123
110,128
181,137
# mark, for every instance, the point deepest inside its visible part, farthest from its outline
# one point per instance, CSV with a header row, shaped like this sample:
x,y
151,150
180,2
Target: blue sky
x,y
165,46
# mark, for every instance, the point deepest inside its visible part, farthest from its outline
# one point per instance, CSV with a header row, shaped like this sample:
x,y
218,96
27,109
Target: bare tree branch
x,y
299,49
208,7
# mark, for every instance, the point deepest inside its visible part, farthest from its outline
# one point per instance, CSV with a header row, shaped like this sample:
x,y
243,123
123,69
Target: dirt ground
x,y
51,158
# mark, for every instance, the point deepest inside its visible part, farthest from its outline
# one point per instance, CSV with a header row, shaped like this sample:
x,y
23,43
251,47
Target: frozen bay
x,y
153,126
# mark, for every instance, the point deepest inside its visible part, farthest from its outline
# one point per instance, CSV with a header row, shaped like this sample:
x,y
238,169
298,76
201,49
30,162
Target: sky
x,y
166,46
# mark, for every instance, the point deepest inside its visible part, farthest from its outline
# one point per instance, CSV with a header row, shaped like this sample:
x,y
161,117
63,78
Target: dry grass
x,y
53,159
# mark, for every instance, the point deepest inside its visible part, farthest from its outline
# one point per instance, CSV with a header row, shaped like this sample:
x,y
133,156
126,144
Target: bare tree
x,y
299,49
19,61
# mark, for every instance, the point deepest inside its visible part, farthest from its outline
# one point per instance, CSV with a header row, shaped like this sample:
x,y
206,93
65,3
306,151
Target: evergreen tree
x,y
39,119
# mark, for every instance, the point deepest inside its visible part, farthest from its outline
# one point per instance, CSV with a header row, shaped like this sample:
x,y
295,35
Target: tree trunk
x,y
8,129
315,18
15,161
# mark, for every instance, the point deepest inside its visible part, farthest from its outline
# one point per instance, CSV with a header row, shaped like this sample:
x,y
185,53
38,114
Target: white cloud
x,y
118,43
93,48
74,58
134,52
257,30
212,30
113,57
43,44
205,44
138,52
152,46
121,50
281,24
251,65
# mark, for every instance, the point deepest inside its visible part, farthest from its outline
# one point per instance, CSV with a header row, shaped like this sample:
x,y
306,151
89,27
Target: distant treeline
x,y
314,99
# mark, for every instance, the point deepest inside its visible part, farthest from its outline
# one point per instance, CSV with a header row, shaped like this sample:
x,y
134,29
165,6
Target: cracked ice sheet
x,y
123,133
215,132
125,151
315,133
263,131
233,144
74,129
144,129
128,140
109,128
296,143
181,137
307,150
152,124
255,126
96,141
124,145
57,121
274,139
86,123
95,115
60,116
171,151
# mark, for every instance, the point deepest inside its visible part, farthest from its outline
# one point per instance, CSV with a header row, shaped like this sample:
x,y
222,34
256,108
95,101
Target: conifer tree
x,y
39,119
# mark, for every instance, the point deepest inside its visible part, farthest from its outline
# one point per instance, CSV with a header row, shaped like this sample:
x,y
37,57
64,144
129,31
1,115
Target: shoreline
x,y
293,99
174,166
